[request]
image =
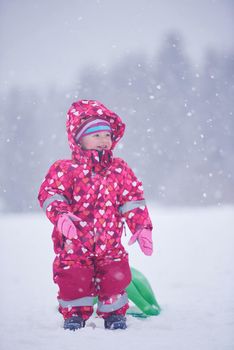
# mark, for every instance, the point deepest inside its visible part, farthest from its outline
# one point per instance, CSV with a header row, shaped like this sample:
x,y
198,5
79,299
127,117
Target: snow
x,y
191,272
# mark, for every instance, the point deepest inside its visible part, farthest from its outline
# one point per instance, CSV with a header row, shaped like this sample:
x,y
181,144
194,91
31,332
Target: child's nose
x,y
104,140
104,143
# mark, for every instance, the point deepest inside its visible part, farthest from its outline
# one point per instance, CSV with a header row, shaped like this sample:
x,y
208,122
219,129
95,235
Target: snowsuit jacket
x,y
102,191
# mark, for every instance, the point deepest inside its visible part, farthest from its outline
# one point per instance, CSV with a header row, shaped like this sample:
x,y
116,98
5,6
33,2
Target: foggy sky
x,y
49,41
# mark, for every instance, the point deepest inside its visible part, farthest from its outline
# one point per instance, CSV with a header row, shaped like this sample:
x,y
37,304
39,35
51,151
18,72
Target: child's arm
x,y
133,206
135,212
55,194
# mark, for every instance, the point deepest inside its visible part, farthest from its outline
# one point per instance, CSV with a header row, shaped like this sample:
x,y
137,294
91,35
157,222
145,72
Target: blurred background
x,y
166,67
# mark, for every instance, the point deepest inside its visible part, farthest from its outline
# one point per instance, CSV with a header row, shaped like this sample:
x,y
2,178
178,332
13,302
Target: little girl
x,y
88,198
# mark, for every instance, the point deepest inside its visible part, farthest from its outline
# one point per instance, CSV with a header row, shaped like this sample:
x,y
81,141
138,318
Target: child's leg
x,y
76,290
112,277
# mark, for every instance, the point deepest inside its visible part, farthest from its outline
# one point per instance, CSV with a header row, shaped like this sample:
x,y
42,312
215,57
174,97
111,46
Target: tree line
x,y
179,127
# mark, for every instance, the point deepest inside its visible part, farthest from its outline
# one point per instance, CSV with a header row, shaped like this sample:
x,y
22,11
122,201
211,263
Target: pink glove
x,y
66,226
144,238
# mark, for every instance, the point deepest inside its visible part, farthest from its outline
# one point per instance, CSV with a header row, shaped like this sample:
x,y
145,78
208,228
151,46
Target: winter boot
x,y
74,323
115,322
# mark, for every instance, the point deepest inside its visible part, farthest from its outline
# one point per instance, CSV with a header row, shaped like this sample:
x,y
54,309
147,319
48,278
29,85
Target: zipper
x,y
124,228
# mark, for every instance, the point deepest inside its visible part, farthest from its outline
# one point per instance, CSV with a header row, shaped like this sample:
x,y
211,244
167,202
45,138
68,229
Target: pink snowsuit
x,y
103,193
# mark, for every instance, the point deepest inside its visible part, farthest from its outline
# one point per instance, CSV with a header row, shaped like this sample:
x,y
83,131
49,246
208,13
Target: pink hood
x,y
82,110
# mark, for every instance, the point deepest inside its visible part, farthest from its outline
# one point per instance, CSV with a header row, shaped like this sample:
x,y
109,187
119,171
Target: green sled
x,y
141,294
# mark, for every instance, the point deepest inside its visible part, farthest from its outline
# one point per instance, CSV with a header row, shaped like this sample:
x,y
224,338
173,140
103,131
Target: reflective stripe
x,y
123,300
56,197
131,205
86,301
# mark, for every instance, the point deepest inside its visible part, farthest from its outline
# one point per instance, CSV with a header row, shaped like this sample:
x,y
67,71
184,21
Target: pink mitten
x,y
144,238
66,226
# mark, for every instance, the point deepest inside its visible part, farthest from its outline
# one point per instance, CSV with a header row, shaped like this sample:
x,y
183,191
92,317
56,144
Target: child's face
x,y
99,141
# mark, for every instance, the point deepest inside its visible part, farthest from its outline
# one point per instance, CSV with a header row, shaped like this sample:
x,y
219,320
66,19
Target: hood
x,y
82,110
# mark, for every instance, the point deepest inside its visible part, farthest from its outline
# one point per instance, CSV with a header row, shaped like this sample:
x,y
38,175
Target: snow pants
x,y
79,283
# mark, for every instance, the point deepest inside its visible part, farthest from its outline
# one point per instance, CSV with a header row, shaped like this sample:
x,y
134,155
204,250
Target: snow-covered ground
x,y
191,272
